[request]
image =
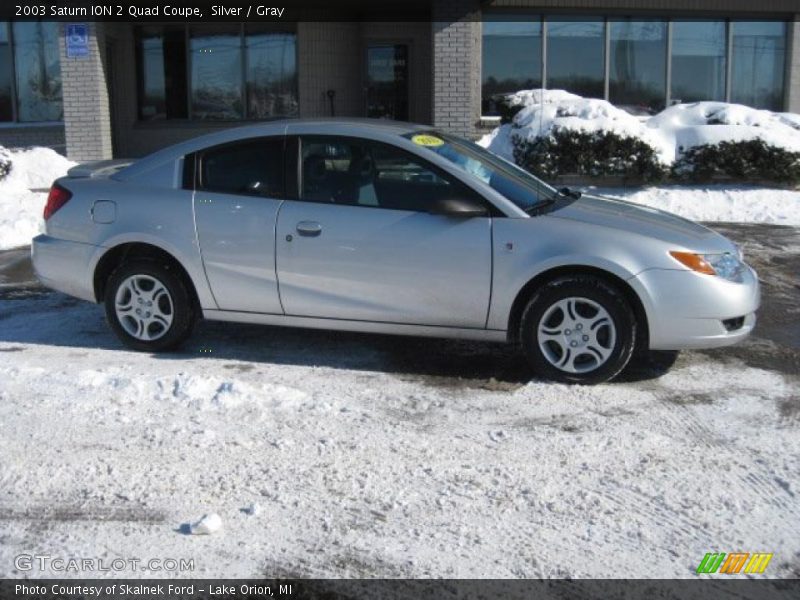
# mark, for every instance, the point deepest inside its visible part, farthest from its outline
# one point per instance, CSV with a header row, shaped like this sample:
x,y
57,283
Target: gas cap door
x,y
104,212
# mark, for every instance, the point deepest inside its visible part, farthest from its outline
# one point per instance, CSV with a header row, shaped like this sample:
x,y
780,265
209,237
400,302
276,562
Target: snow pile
x,y
545,111
686,125
20,206
722,203
674,129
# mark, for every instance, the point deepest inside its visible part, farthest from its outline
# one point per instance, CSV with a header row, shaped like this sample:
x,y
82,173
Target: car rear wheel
x,y
578,329
148,306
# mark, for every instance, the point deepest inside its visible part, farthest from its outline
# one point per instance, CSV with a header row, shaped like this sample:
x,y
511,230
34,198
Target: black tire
x,y
597,291
182,311
653,361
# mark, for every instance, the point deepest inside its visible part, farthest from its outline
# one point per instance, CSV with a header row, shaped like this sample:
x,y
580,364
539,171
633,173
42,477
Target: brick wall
x,y
329,60
22,136
87,118
456,66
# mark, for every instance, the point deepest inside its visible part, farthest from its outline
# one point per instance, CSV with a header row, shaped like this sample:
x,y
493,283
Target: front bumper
x,y
64,266
686,310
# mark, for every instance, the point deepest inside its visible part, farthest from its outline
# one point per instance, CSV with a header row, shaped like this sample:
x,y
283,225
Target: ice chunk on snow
x,y
208,524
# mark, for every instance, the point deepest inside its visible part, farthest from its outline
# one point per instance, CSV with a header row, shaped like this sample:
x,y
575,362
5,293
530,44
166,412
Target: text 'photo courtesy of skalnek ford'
x,y
402,300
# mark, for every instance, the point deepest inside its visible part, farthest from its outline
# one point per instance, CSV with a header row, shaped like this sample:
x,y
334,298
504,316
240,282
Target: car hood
x,y
645,221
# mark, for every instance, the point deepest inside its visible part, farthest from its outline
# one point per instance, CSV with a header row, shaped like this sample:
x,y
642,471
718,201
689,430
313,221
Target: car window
x,y
506,178
252,168
365,173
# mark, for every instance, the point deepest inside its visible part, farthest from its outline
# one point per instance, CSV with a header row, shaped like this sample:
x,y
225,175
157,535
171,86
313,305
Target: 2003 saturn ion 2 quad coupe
x,y
386,227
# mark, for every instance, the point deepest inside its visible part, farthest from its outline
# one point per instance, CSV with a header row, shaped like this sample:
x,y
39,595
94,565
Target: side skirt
x,y
484,335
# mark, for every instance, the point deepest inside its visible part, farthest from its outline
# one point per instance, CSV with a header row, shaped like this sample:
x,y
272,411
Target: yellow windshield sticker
x,y
427,140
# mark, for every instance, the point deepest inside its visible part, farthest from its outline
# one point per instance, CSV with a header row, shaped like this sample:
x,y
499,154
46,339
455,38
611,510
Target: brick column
x,y
793,68
456,66
87,117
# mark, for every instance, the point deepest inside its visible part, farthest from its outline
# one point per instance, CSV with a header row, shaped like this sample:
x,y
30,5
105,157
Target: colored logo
x,y
734,563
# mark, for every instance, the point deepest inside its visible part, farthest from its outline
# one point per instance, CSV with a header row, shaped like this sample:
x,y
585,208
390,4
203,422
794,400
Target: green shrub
x,y
590,154
507,111
5,163
751,160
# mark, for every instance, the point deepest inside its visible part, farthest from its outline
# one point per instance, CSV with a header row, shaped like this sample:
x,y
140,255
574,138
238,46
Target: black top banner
x,y
289,11
398,589
221,10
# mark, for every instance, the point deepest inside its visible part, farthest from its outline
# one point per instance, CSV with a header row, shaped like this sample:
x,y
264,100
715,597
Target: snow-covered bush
x,y
5,163
589,154
553,133
748,160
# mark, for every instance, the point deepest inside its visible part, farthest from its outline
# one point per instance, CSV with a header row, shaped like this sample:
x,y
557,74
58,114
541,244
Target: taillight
x,y
57,198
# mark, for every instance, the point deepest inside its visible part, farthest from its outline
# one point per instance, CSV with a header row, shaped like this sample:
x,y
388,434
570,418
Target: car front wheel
x,y
148,306
578,329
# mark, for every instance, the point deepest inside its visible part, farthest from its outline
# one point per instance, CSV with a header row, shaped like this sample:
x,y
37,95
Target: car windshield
x,y
506,178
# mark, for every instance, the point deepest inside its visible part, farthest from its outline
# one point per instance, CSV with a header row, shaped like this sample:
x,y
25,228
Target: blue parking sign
x,y
77,40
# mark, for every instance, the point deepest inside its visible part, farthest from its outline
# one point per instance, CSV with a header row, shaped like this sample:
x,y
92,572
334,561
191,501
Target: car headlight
x,y
725,265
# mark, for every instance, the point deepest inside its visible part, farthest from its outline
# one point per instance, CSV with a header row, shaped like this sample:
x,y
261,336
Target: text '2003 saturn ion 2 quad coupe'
x,y
386,227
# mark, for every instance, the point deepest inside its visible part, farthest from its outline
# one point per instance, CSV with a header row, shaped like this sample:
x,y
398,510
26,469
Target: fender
x,y
192,264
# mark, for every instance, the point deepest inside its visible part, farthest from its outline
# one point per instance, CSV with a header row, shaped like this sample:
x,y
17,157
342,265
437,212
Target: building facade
x,y
136,88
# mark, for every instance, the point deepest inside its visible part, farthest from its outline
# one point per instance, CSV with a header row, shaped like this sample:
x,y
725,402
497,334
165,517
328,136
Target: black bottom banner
x,y
396,589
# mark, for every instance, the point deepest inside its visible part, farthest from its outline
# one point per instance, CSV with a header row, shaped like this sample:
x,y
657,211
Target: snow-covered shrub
x,y
5,163
555,133
589,154
747,160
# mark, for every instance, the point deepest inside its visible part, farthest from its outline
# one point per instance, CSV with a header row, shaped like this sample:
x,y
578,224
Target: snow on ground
x,y
20,207
361,469
731,203
676,127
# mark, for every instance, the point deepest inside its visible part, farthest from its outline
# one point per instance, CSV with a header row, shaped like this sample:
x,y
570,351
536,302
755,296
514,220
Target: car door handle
x,y
309,228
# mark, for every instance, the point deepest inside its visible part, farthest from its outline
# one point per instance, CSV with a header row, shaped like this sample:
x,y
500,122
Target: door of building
x,y
387,81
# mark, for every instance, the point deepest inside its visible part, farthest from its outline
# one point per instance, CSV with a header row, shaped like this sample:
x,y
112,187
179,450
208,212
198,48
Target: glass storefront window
x,y
638,65
575,56
162,73
698,61
38,71
223,74
271,75
216,60
759,52
6,111
512,59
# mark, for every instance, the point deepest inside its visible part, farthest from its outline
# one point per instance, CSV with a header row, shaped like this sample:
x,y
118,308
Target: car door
x,y
360,244
239,188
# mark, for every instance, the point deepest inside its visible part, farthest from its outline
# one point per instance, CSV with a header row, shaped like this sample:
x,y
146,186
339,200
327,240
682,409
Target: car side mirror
x,y
458,207
569,193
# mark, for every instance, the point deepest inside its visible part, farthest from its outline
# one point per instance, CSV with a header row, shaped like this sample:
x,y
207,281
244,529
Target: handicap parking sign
x,y
77,35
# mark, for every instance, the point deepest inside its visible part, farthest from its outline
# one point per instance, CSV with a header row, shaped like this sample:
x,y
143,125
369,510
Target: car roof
x,y
370,128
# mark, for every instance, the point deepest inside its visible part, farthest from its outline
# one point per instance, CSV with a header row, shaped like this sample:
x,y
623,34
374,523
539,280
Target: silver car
x,y
386,227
